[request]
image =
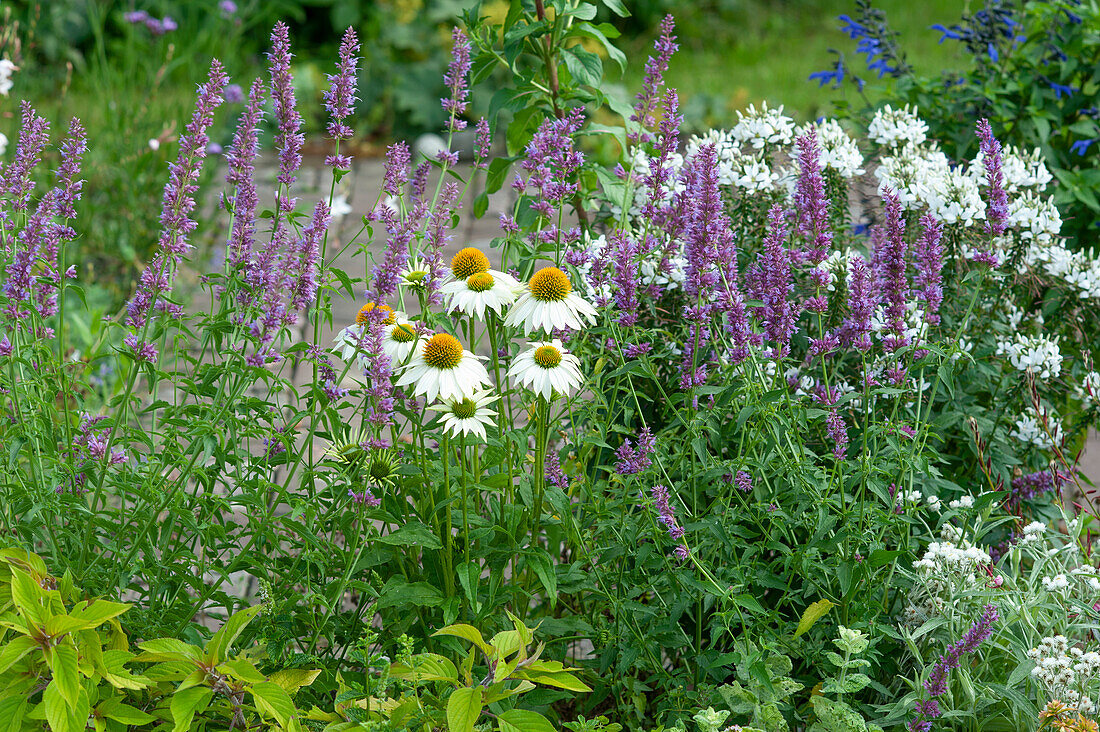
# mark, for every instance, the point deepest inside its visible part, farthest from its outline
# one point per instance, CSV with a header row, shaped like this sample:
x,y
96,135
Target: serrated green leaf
x,y
811,615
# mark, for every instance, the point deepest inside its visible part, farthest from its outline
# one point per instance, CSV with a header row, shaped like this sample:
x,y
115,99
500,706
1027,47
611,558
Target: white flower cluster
x,y
839,151
962,502
1029,428
1020,169
947,558
763,127
893,127
1065,673
1057,583
1037,353
1033,533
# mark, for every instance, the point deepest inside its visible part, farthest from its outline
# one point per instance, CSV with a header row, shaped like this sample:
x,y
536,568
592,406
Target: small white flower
x,y
1056,583
154,143
548,303
893,126
545,368
1039,354
469,415
441,367
962,502
3,143
6,70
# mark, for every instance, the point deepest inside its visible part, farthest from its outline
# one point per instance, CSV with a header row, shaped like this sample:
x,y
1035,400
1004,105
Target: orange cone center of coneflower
x,y
480,281
362,318
547,356
464,409
469,261
403,333
550,284
443,352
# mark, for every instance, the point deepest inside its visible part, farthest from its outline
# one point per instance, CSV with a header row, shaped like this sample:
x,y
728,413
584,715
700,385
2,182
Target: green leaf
x,y
218,646
113,708
585,66
12,712
413,533
544,569
62,662
811,615
293,679
28,596
425,667
400,593
14,650
243,670
468,632
463,709
273,701
522,720
169,649
186,703
617,7
557,679
97,612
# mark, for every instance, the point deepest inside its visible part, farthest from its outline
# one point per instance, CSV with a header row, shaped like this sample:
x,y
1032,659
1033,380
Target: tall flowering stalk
x,y
996,212
289,138
15,179
936,683
340,98
175,218
456,81
855,331
649,97
891,259
241,159
774,285
928,255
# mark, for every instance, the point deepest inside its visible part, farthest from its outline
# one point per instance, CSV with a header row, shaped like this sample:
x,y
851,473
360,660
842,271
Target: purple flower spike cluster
x,y
996,211
555,476
1031,485
812,208
633,460
33,276
456,80
340,98
743,481
772,278
929,260
626,250
241,159
667,517
891,258
289,138
551,163
936,684
176,224
650,95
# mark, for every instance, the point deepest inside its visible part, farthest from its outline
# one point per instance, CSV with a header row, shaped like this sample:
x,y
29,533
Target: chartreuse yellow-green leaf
x,y
811,615
463,709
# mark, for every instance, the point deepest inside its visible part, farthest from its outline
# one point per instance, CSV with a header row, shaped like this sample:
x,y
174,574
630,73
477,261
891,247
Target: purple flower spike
x,y
856,330
996,212
656,66
289,139
456,81
16,182
179,202
811,204
891,260
633,460
936,683
929,259
241,159
778,313
340,97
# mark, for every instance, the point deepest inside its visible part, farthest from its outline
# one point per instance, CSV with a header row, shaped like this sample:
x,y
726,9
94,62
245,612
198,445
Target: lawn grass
x,y
766,50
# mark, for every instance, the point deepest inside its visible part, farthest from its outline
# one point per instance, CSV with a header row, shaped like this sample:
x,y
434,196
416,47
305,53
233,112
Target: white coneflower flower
x,y
548,303
348,340
399,341
415,274
546,367
477,287
441,367
469,415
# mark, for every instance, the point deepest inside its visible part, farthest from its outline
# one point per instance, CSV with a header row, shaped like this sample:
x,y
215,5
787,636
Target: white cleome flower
x,y
545,368
441,367
548,303
469,415
892,126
